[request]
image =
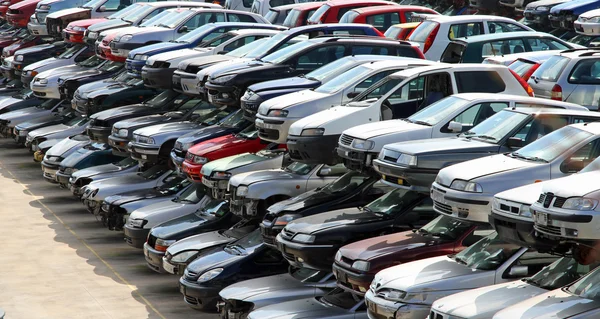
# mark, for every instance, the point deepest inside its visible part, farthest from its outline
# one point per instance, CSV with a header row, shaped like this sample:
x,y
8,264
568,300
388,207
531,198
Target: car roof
x,y
334,26
442,66
365,38
309,5
160,4
286,7
466,18
388,8
535,56
354,2
519,99
535,110
591,127
575,53
254,31
504,35
396,61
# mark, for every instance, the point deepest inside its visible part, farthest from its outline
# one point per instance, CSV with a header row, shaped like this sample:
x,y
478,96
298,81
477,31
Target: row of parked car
x,y
359,159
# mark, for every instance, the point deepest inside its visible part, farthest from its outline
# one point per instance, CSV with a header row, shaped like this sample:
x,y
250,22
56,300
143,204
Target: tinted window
x,y
551,69
292,18
276,3
240,42
502,47
501,27
367,49
586,72
465,30
349,32
383,21
521,67
113,5
319,57
543,44
479,81
236,17
319,14
204,18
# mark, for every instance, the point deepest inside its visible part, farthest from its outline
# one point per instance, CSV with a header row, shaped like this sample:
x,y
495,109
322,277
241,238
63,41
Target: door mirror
x,y
455,127
102,9
518,271
352,95
222,52
183,29
572,166
514,142
325,171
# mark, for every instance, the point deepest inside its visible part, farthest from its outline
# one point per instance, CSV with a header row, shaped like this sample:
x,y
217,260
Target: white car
x,y
484,302
458,113
465,190
74,54
435,32
508,59
314,138
408,290
275,116
588,23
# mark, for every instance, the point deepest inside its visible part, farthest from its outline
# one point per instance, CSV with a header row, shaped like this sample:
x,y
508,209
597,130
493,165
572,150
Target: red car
x,y
4,7
18,14
26,42
356,264
300,14
383,17
75,30
103,48
217,148
333,10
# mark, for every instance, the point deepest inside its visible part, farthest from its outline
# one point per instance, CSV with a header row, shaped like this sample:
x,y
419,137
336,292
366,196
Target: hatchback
x,y
382,17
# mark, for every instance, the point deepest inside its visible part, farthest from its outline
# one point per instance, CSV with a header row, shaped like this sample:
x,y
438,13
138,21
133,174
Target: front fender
x,y
264,190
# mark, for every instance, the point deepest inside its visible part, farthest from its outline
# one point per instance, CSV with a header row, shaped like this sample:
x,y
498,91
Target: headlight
x,y
163,244
200,159
123,132
285,219
92,35
31,73
44,7
125,38
304,238
313,132
594,19
338,256
19,58
580,203
209,275
542,8
394,295
495,203
525,211
43,81
278,113
70,170
184,256
138,223
141,57
407,160
462,185
80,29
361,265
242,191
223,79
23,133
362,144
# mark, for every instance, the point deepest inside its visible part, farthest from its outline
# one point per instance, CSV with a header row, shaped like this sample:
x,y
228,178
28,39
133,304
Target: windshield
x,y
192,194
193,35
174,185
93,4
76,121
394,202
70,52
346,183
138,14
126,163
214,208
487,254
392,32
299,168
445,227
550,146
216,41
249,241
111,66
124,12
244,50
343,80
163,98
588,287
377,90
292,18
438,111
92,61
172,21
235,120
319,14
330,69
154,172
251,132
283,54
560,273
268,45
497,126
551,69
48,104
165,16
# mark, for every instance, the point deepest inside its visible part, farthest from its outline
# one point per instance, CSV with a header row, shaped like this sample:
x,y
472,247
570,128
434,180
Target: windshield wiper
x,y
484,137
163,25
422,123
531,282
460,260
536,159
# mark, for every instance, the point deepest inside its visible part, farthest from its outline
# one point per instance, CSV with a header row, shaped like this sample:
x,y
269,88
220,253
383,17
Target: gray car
x,y
415,164
571,76
57,132
60,151
87,175
10,119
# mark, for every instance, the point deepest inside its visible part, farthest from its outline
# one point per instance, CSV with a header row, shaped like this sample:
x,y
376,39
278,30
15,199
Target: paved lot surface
x,y
59,262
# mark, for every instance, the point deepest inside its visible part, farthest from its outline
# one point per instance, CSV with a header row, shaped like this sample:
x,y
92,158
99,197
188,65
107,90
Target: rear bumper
x,y
37,29
159,78
119,145
313,149
135,237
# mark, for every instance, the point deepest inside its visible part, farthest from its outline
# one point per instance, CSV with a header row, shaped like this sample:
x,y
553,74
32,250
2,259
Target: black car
x,y
353,189
27,56
21,100
102,122
69,83
227,85
313,241
66,116
246,258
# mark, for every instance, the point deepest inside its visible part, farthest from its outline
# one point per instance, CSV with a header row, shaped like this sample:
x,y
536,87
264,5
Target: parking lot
x,y
59,262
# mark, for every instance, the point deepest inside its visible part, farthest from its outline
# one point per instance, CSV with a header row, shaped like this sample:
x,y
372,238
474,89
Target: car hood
x,y
371,130
199,242
176,225
540,3
156,32
66,145
486,301
36,49
165,128
170,55
38,64
450,145
135,195
81,154
322,118
527,194
579,185
101,169
8,101
123,30
89,22
294,98
336,218
215,258
85,73
119,181
108,24
110,89
49,130
206,60
87,88
217,143
307,199
375,247
233,68
572,5
262,176
430,274
204,134
231,162
481,167
119,111
261,286
66,12
140,121
57,72
21,112
553,304
159,47
297,309
295,82
39,122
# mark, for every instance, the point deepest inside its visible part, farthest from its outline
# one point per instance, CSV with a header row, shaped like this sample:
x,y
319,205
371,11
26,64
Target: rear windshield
x,y
521,67
551,69
421,33
586,72
319,14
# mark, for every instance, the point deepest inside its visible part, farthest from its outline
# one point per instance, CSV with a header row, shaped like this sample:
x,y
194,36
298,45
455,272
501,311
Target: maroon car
x,y
356,264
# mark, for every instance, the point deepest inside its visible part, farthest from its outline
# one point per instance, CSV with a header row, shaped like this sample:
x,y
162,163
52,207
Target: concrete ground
x,y
59,262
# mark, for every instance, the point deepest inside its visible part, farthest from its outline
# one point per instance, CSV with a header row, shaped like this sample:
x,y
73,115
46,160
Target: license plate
x,y
541,218
437,196
168,267
144,156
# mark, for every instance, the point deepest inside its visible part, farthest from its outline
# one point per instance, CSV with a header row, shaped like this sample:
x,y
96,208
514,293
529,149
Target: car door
x,y
576,159
582,83
199,20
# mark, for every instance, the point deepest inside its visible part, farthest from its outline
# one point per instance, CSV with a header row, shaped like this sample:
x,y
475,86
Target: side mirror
x,y
352,95
572,166
325,171
183,29
518,271
102,9
514,142
222,52
455,127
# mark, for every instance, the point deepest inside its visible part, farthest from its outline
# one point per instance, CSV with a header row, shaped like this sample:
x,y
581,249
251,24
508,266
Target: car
x,y
410,289
69,83
568,76
416,164
313,241
9,120
18,101
82,177
228,85
19,13
87,156
253,192
77,125
486,301
277,15
587,23
241,298
242,5
357,263
24,57
333,10
277,115
476,49
54,156
299,15
536,13
533,56
37,22
138,225
154,143
258,93
401,31
383,17
245,258
159,68
313,139
565,14
435,32
77,54
352,189
3,10
458,113
262,7
22,129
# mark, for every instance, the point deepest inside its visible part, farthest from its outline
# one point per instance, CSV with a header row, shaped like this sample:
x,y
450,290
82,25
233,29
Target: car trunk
x,y
454,52
55,25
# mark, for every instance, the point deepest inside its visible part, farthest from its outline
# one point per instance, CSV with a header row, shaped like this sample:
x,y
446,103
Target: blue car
x,y
188,41
564,15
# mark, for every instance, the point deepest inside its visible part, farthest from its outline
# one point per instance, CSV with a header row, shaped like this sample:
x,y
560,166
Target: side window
x,y
584,120
477,113
204,18
319,57
214,34
384,20
343,11
582,157
479,81
586,72
502,47
113,5
368,49
277,3
465,30
372,79
542,44
237,17
151,14
540,126
412,90
349,32
501,27
530,262
240,43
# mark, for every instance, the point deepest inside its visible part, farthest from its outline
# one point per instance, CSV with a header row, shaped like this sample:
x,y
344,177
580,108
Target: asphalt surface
x,y
58,261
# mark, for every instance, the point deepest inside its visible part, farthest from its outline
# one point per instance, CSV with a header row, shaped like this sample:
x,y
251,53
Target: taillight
x,y
530,71
556,93
431,38
523,83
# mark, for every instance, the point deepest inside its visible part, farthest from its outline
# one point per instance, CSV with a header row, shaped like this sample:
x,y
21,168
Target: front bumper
x,y
514,230
73,36
300,255
118,145
244,207
62,178
537,17
473,207
177,157
192,171
313,149
135,237
49,171
158,78
269,234
37,29
103,51
144,153
587,28
416,179
154,258
197,296
45,91
562,21
122,49
274,130
173,268
355,159
18,20
378,308
217,187
561,224
134,66
99,133
189,84
250,108
354,282
26,80
222,94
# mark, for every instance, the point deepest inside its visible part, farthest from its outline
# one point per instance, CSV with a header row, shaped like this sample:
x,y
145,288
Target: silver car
x,y
60,151
572,76
85,176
